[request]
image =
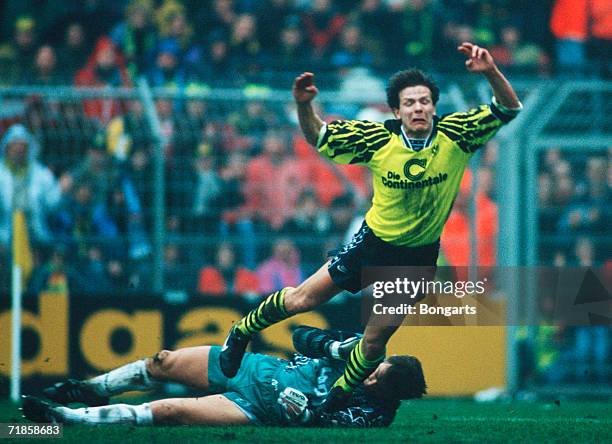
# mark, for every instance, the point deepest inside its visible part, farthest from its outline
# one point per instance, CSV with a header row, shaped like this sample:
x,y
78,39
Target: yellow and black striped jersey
x,y
413,190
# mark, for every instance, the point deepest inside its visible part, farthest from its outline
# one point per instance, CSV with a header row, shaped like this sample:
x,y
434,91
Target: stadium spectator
x,y
292,52
547,217
274,180
178,274
53,275
105,67
225,277
168,70
67,147
419,21
125,209
218,68
453,35
176,32
569,24
81,218
136,37
8,74
25,46
235,219
374,20
45,72
129,131
74,50
92,278
244,47
139,170
165,108
218,17
350,52
323,25
192,126
517,55
253,121
591,349
98,168
564,183
456,238
26,185
342,212
282,268
206,191
308,226
269,15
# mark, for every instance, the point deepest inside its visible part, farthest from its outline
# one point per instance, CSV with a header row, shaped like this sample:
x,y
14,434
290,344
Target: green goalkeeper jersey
x,y
414,190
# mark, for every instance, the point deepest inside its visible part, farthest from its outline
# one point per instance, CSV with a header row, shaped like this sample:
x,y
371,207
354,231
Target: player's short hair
x,y
410,77
404,379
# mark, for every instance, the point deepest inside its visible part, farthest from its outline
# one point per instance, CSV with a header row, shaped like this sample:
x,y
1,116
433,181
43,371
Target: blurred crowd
x,y
233,42
575,207
248,204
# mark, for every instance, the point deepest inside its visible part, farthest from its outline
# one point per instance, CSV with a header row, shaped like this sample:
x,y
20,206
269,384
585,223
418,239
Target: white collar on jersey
x,y
408,142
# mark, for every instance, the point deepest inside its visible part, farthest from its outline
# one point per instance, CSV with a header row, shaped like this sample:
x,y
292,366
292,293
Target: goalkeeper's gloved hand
x,y
337,399
294,405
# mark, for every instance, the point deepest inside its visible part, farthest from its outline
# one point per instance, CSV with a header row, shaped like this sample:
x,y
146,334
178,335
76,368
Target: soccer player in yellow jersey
x,y
417,161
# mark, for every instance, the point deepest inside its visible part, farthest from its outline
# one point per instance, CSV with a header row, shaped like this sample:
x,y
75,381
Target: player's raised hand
x,y
479,59
304,89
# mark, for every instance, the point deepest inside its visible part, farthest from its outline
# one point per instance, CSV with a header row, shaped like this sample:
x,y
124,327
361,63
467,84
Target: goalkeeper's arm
x,y
296,411
316,343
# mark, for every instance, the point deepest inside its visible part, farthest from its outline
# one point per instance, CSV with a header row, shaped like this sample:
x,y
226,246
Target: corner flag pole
x,y
22,264
16,288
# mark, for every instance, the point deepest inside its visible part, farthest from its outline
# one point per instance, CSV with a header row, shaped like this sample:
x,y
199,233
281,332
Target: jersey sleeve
x,y
355,417
352,141
472,129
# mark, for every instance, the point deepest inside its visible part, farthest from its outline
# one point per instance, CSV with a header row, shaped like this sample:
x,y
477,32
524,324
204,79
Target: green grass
x,y
432,420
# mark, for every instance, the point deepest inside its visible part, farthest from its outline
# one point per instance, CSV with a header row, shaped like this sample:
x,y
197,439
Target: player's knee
x,y
167,412
160,364
373,348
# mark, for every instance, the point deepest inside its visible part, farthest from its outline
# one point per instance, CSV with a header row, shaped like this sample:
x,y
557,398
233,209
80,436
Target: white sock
x,y
132,376
109,414
334,350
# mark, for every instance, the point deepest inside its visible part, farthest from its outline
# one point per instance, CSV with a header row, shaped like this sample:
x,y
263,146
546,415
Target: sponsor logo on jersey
x,y
394,180
414,169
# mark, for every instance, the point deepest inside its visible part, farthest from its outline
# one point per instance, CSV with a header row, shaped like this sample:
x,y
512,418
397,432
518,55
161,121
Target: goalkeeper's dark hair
x,y
410,77
404,379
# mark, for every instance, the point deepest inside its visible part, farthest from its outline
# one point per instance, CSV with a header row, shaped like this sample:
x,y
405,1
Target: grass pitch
x,y
431,420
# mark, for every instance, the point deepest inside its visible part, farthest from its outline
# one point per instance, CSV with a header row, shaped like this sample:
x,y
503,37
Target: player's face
x,y
416,110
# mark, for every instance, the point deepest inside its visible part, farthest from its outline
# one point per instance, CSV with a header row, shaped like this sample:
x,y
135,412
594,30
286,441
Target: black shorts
x,y
367,250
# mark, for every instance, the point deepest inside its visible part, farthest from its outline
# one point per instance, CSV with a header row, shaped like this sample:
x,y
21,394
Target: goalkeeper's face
x,y
416,110
399,377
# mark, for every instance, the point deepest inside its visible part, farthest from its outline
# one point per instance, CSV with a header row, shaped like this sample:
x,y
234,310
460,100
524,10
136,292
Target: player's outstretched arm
x,y
480,61
304,90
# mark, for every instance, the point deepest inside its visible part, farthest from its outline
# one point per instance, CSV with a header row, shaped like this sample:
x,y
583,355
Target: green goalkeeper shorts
x,y
254,389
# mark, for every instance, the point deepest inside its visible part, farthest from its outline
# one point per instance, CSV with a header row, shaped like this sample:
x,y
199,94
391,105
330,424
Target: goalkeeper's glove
x,y
294,406
337,399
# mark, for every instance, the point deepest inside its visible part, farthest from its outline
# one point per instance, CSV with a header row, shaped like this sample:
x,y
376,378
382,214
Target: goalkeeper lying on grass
x,y
266,390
